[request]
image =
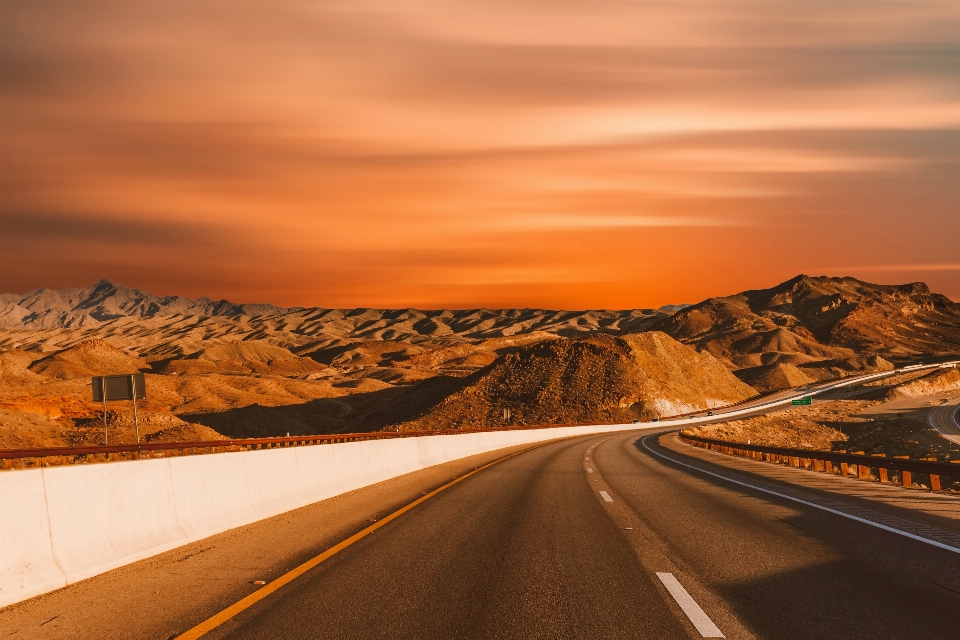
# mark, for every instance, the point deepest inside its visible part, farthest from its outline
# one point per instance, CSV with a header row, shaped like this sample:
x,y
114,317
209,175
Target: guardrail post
x,y
8,464
844,469
934,482
906,478
883,472
828,466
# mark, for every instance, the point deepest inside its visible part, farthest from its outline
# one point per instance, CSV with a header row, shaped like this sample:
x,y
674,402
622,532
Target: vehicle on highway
x,y
709,413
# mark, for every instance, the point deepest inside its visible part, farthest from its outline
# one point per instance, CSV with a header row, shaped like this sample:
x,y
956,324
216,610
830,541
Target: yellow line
x,y
212,623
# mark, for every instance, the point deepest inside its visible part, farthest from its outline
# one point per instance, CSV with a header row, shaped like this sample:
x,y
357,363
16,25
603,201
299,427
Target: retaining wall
x,y
59,525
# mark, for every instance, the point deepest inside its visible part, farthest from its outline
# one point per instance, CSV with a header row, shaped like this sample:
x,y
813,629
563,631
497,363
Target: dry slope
x,y
598,379
825,326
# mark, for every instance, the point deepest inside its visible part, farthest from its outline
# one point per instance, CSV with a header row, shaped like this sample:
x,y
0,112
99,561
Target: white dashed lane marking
x,y
700,620
606,496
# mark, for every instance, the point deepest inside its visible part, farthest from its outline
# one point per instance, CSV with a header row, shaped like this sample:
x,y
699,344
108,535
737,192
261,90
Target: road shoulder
x,y
925,508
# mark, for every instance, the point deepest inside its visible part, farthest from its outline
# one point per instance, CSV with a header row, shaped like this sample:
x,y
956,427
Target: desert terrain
x,y
887,417
219,369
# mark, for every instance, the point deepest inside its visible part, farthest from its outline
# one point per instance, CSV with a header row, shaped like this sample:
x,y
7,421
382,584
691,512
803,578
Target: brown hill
x,y
88,358
810,319
599,379
265,370
940,381
249,356
774,376
14,368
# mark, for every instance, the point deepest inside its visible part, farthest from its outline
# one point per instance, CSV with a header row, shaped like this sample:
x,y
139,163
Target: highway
x,y
946,420
567,541
602,536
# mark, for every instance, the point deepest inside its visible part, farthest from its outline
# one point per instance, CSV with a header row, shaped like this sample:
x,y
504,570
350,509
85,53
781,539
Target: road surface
x,y
569,540
946,420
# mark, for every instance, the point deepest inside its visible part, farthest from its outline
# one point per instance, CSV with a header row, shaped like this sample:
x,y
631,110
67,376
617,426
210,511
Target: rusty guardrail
x,y
842,463
109,453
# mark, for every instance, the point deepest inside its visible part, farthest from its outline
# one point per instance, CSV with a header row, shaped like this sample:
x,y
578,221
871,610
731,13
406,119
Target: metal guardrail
x,y
109,453
837,462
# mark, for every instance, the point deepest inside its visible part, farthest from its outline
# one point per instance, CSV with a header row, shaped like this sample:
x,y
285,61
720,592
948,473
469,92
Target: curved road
x,y
567,541
946,420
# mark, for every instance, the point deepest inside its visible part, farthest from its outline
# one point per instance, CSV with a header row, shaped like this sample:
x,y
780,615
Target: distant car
x,y
709,413
655,420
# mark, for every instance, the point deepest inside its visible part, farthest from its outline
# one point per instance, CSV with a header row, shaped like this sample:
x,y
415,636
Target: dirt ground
x,y
864,421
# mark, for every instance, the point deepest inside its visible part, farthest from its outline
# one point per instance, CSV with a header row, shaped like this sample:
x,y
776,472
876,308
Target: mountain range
x,y
261,369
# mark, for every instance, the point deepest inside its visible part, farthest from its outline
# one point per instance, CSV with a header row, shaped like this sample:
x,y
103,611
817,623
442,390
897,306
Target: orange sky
x,y
562,154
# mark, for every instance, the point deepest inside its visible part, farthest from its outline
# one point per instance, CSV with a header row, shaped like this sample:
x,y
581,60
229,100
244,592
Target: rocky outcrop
x,y
600,379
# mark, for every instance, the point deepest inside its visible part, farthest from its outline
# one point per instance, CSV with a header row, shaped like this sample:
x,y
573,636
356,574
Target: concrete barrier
x,y
27,565
59,525
210,494
110,515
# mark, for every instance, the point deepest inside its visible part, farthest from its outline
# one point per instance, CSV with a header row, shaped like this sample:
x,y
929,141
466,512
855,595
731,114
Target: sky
x,y
477,153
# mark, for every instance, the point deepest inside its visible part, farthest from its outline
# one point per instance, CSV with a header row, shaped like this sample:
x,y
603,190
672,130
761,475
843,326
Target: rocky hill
x,y
105,301
937,382
86,359
244,357
598,379
823,326
266,370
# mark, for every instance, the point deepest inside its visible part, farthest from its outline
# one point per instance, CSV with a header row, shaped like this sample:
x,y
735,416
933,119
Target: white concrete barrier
x,y
210,493
59,525
110,515
27,565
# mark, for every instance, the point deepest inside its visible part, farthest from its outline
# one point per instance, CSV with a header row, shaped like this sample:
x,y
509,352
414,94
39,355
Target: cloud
x,y
897,268
349,149
610,222
78,229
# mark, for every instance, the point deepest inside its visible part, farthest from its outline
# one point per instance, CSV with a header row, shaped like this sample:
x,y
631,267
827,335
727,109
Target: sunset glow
x,y
430,154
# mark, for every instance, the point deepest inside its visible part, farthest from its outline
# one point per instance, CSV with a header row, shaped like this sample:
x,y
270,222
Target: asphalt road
x,y
946,420
530,548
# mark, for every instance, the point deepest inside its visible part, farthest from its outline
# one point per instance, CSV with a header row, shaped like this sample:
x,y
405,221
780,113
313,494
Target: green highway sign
x,y
802,401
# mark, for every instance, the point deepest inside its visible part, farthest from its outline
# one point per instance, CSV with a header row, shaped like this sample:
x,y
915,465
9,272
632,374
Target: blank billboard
x,y
119,387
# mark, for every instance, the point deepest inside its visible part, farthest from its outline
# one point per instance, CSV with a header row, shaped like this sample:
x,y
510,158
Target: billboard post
x,y
126,387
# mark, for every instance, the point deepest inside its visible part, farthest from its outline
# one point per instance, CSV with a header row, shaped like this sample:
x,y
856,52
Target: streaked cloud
x,y
610,222
898,268
377,153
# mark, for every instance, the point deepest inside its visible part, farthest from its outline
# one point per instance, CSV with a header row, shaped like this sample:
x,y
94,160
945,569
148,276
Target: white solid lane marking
x,y
606,496
906,534
700,620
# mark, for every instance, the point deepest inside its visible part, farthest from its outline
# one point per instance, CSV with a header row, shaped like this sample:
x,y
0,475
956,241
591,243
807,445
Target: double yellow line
x,y
215,621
